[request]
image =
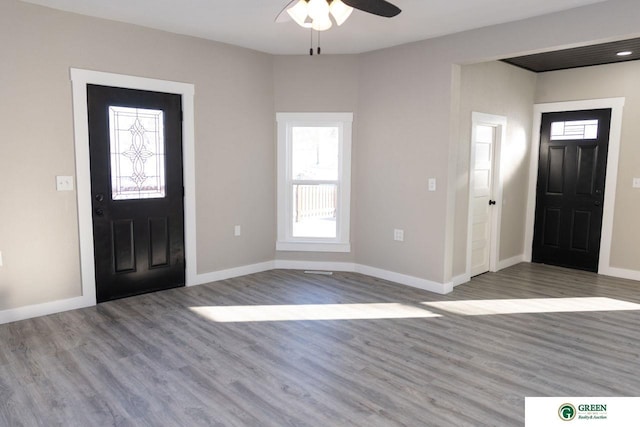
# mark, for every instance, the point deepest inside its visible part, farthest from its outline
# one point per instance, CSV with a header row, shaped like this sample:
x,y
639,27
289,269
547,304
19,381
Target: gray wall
x,y
607,81
408,100
404,106
500,89
405,101
326,83
234,132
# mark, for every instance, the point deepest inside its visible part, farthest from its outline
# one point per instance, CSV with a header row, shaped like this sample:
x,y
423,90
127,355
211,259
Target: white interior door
x,y
484,138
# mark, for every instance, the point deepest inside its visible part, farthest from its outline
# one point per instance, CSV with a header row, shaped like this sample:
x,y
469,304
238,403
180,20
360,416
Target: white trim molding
x,y
37,310
616,105
403,279
230,273
509,262
622,273
461,279
27,312
502,264
314,265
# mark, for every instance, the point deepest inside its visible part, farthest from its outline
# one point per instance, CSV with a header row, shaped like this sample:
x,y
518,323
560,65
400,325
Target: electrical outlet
x,y
398,235
432,184
64,183
636,182
1,259
236,230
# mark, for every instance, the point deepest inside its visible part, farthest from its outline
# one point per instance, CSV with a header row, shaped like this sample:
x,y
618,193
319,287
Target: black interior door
x,y
135,140
570,192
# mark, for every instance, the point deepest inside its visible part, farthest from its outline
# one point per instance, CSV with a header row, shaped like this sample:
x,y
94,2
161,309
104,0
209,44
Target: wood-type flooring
x,y
284,348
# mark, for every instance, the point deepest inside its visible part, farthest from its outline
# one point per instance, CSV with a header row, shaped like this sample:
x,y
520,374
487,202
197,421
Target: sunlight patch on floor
x,y
534,305
275,313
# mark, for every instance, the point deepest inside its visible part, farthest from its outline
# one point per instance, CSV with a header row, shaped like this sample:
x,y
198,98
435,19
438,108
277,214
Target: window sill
x,y
313,247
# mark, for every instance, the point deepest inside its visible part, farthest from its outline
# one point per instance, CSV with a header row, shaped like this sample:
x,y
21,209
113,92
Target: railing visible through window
x,y
314,173
314,210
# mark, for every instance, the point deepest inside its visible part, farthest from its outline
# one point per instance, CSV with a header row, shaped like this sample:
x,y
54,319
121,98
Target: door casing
x,y
616,105
80,79
500,125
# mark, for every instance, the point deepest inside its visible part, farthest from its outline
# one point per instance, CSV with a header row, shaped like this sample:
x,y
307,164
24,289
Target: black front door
x,y
135,141
570,192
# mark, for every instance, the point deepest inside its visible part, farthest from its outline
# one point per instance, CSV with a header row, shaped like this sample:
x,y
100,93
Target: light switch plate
x,y
64,183
636,182
236,230
398,235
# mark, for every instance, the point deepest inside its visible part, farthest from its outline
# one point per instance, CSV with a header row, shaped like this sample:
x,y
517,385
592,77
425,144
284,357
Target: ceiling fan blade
x,y
283,16
377,7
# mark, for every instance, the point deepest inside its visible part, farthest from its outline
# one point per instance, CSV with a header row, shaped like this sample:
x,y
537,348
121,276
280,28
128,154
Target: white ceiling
x,y
250,23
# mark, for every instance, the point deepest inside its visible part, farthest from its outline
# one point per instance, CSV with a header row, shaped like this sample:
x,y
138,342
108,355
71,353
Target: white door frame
x,y
500,125
80,79
613,153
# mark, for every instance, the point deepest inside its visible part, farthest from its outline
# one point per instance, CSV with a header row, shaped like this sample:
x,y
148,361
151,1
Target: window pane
x,y
137,153
315,153
314,210
577,129
484,133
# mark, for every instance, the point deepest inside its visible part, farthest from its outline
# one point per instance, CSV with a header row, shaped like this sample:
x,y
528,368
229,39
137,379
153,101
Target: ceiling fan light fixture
x,y
322,23
318,8
299,13
340,11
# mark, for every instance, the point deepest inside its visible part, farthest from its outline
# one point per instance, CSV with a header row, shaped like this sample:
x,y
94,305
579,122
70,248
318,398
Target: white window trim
x,y
286,242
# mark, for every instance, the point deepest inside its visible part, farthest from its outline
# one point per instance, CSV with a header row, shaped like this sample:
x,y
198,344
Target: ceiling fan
x,y
316,14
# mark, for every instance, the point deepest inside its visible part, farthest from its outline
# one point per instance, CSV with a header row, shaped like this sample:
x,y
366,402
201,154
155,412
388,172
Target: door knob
x,y
492,202
99,211
100,197
597,203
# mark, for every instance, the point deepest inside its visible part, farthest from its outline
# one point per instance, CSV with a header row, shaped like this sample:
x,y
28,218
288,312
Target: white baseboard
x,y
461,279
403,279
505,263
44,309
621,273
230,273
314,265
37,310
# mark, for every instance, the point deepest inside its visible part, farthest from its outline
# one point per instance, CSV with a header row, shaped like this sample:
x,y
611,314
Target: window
x,y
314,181
577,129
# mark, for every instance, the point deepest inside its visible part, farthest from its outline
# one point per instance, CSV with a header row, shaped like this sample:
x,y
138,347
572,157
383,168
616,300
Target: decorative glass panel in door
x,y
137,153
